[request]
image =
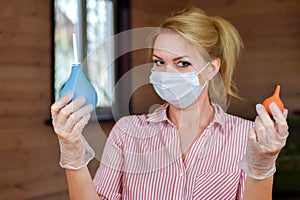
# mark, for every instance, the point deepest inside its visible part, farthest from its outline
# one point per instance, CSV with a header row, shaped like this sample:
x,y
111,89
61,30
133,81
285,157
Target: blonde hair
x,y
217,36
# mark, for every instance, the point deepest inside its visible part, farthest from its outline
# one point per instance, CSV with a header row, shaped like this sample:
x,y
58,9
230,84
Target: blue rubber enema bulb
x,y
79,85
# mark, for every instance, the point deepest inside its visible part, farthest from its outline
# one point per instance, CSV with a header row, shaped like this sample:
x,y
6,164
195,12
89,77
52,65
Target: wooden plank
x,y
41,187
25,56
17,39
227,9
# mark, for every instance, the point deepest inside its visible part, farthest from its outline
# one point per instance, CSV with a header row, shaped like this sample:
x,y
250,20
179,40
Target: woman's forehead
x,y
174,44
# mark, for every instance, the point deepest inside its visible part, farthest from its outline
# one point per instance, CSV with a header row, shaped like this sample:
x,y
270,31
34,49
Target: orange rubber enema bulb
x,y
274,98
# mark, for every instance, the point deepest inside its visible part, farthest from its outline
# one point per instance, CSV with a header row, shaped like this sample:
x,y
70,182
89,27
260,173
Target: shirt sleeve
x,y
108,178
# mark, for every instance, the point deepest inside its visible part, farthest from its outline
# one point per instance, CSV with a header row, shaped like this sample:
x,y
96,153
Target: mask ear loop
x,y
203,68
216,90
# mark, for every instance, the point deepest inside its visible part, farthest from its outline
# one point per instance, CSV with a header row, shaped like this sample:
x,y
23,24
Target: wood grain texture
x,y
29,151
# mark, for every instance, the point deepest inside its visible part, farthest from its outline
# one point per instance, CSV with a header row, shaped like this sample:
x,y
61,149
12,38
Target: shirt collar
x,y
219,115
160,115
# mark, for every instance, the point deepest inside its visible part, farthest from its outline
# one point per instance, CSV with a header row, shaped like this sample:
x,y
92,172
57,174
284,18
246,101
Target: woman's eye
x,y
159,62
183,64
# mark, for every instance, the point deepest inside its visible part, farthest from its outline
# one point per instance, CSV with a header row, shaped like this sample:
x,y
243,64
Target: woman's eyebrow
x,y
178,58
181,57
157,56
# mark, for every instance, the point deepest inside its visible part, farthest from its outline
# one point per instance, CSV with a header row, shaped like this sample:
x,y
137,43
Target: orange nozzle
x,y
274,98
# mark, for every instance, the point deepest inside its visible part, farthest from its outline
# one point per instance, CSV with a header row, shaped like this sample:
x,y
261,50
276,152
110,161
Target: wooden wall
x,y
29,151
28,147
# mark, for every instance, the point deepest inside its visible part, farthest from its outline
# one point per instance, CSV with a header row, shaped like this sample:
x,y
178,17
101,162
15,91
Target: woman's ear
x,y
213,68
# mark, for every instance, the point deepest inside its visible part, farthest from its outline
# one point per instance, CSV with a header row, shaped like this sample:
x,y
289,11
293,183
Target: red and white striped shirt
x,y
140,159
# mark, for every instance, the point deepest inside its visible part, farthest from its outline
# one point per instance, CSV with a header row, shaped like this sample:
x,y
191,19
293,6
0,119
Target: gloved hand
x,y
265,141
68,121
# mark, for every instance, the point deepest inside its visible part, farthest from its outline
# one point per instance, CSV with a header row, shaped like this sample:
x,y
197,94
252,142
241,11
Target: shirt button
x,y
181,173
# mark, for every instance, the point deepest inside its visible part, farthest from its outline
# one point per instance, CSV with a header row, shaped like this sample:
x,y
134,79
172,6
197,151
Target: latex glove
x,y
68,121
265,141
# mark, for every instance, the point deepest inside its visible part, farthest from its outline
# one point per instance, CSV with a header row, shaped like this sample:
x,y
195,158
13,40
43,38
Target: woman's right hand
x,y
68,119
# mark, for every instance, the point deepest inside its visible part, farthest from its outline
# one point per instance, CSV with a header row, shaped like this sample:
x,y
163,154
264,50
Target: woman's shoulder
x,y
124,127
237,124
229,119
158,115
129,124
238,118
132,120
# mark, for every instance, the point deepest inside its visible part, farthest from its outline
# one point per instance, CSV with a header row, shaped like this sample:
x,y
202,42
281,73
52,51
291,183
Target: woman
x,y
188,148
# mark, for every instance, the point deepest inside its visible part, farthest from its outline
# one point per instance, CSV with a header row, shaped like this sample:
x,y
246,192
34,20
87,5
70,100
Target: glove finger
x,y
261,132
60,103
276,112
76,116
265,117
77,130
69,109
280,121
252,140
285,113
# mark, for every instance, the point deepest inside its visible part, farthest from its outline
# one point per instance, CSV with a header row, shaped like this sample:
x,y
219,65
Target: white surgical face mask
x,y
178,89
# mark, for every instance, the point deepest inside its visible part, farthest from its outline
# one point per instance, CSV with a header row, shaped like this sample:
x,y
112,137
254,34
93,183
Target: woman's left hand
x,y
265,141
